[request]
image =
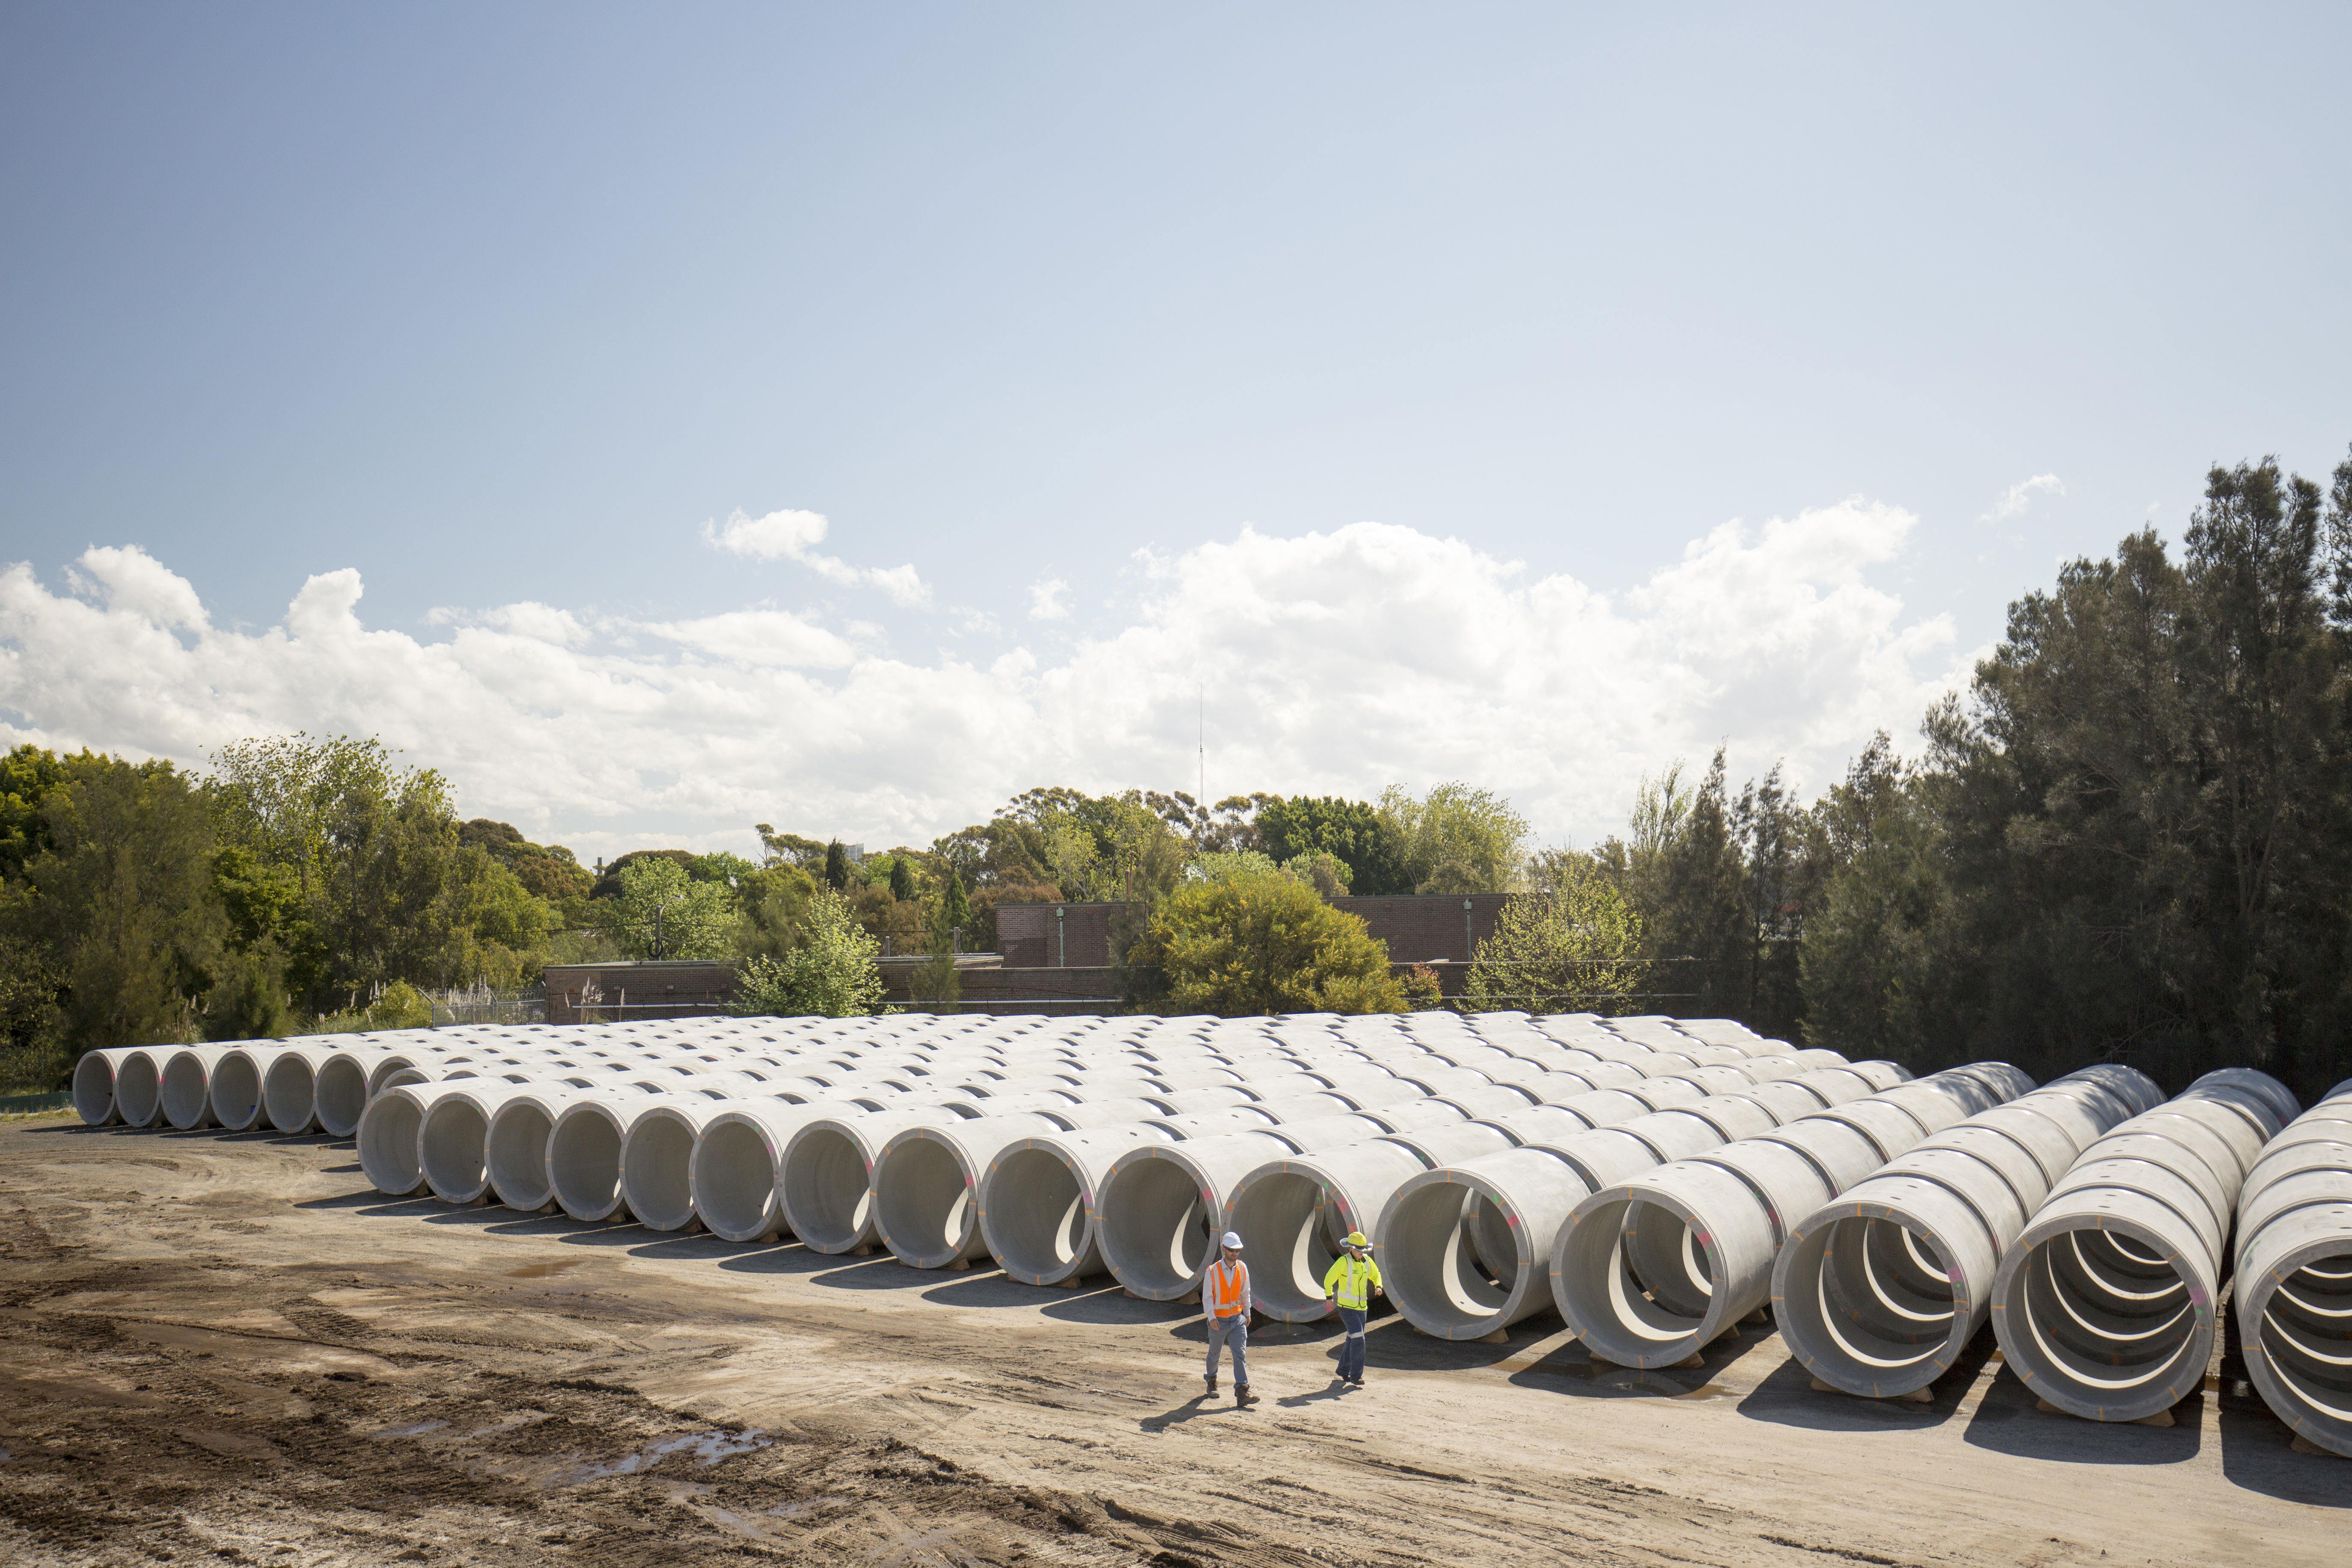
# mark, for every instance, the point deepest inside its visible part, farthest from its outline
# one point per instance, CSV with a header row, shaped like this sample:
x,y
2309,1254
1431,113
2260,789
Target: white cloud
x,y
1333,662
794,535
2019,496
1045,600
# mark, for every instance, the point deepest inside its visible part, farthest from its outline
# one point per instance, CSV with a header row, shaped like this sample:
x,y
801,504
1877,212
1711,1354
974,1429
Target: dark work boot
x,y
1243,1397
1212,1381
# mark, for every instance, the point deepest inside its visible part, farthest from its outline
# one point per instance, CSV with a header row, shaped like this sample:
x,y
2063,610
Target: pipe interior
x,y
1873,1296
236,1093
654,1168
185,1094
1037,1215
734,1179
517,1155
137,1094
1156,1233
2306,1334
93,1088
2103,1314
584,1164
340,1096
921,1203
1431,1265
289,1092
452,1149
831,1197
1293,1231
388,1146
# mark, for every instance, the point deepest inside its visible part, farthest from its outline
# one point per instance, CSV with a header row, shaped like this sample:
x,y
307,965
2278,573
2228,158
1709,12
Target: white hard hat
x,y
1233,1239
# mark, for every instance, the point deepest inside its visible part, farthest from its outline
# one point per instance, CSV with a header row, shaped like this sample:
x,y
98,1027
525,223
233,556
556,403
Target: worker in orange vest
x,y
1225,1308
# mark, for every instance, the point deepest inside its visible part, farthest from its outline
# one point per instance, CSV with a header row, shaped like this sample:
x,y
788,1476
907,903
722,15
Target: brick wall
x,y
1418,928
580,993
1028,937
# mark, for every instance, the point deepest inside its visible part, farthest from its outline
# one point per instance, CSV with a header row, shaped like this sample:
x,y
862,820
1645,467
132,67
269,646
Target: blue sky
x,y
516,306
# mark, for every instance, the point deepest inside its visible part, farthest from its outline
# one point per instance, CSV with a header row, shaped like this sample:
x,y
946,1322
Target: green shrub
x,y
1262,943
832,975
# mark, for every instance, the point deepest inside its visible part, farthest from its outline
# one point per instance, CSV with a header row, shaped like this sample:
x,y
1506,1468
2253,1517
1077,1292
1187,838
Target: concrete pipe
x,y
2293,1275
185,1088
1160,1205
1649,1270
516,1147
2104,1304
93,1085
1037,1201
1879,1292
454,1139
139,1085
736,1172
927,1183
1436,1146
828,1174
233,1086
657,1160
339,1091
583,1150
387,1137
1291,1213
1418,1115
290,1088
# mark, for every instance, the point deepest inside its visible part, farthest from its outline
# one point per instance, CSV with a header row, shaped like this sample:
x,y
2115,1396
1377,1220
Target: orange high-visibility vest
x,y
1225,1287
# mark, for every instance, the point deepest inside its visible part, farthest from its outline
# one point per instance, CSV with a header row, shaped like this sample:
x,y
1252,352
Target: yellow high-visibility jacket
x,y
1352,1280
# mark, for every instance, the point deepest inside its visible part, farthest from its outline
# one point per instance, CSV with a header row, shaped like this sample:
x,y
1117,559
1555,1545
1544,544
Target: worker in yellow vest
x,y
1225,1308
1351,1283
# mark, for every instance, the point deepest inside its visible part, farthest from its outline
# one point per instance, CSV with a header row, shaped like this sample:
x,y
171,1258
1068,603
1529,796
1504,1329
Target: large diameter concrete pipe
x,y
657,1159
93,1085
290,1088
1160,1207
139,1085
927,1185
1037,1201
454,1139
1649,1270
1292,1212
2105,1303
516,1148
828,1175
387,1137
1879,1292
340,1091
185,1088
583,1149
2294,1275
736,1175
235,1085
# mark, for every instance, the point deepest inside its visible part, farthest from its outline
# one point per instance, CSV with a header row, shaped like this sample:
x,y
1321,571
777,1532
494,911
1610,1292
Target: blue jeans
x,y
1352,1348
1232,1330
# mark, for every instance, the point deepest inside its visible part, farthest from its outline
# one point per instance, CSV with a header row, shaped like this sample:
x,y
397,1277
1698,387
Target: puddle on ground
x,y
708,1447
542,1271
421,1426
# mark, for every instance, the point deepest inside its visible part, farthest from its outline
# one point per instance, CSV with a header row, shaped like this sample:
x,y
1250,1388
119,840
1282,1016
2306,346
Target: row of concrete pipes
x,y
1655,1181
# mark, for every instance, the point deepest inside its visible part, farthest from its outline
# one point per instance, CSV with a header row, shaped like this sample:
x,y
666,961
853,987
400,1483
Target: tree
x,y
832,975
836,865
1872,980
1577,948
1353,832
1456,838
902,878
662,912
1265,944
122,895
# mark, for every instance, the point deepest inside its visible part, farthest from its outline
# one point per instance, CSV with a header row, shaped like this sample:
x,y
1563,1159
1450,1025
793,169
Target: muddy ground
x,y
227,1348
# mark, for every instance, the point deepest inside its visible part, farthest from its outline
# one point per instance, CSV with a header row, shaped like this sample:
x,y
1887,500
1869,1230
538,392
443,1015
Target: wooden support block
x,y
1192,1301
1499,1337
769,1239
1072,1283
691,1227
1692,1360
2302,1445
1918,1396
1821,1387
2161,1418
959,1265
1760,1317
861,1252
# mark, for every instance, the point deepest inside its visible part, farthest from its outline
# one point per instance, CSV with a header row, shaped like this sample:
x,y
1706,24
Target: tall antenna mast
x,y
1201,718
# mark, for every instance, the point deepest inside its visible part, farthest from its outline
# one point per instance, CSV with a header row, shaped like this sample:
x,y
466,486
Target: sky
x,y
666,419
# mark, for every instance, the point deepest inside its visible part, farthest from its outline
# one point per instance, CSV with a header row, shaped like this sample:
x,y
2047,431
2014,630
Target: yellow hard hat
x,y
1357,1238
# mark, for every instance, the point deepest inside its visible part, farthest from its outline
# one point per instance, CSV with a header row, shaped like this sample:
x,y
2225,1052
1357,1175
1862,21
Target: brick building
x,y
1419,928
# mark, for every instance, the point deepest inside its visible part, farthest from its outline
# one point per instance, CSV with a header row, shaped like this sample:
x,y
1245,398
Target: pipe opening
x,y
735,1180
1433,1261
2306,1334
1036,1216
289,1092
1155,1230
451,1150
1293,1228
921,1203
827,1189
2104,1322
236,1094
388,1146
584,1164
340,1096
517,1155
137,1094
93,1089
187,1096
656,1163
1869,1297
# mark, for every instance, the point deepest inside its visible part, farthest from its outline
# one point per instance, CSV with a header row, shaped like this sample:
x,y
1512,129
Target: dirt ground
x,y
228,1348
